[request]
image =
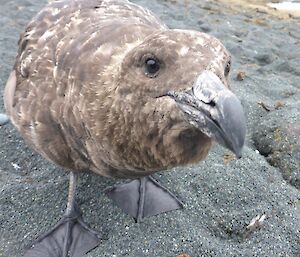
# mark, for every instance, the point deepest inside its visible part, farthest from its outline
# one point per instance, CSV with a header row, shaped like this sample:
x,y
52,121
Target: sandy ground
x,y
221,195
263,6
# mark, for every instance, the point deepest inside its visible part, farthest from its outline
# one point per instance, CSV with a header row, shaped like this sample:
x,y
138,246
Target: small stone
x,y
205,28
241,75
279,105
265,106
264,58
3,119
228,157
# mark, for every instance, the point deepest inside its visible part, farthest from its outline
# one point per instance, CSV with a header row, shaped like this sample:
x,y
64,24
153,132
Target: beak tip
x,y
238,155
238,151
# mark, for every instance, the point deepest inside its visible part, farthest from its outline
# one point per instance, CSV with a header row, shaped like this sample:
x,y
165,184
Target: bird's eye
x,y
152,67
227,68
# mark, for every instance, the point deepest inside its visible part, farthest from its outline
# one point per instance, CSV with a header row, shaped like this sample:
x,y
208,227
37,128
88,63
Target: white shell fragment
x,y
255,224
3,119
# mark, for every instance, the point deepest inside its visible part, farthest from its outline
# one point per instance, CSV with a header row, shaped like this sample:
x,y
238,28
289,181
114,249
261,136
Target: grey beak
x,y
215,110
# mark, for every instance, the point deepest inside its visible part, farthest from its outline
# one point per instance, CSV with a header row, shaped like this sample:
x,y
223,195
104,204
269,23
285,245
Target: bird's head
x,y
179,78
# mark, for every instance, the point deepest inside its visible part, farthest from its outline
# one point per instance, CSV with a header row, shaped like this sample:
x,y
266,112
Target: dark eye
x,y
227,68
152,67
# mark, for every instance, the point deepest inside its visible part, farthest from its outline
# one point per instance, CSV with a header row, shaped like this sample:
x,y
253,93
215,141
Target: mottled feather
x,y
80,97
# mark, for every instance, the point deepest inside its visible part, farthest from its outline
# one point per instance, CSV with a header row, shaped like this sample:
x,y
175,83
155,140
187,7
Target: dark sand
x,y
221,195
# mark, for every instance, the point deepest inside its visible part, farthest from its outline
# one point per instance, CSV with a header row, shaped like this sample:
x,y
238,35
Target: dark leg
x,y
70,236
143,198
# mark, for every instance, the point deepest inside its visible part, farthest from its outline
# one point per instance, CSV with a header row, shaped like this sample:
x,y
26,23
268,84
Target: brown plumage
x,y
82,98
104,86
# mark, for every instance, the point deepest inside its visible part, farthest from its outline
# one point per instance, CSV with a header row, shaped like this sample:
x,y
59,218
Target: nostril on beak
x,y
212,103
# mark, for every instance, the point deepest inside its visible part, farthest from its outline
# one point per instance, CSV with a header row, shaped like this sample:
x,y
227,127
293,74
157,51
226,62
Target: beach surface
x,y
221,195
280,8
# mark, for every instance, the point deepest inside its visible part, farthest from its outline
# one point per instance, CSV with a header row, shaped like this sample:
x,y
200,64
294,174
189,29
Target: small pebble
x,y
241,76
205,28
279,105
3,119
264,58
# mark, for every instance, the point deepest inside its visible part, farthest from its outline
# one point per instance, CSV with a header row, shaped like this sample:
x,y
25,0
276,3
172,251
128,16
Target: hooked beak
x,y
214,110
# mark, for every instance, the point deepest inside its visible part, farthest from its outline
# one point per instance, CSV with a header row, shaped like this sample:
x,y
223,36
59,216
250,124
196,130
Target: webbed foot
x,y
70,237
143,198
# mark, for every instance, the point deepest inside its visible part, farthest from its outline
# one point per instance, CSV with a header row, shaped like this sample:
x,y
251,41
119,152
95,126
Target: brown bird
x,y
104,86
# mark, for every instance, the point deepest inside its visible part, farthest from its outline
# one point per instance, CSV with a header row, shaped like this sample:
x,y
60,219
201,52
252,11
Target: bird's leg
x,y
143,197
69,211
141,203
71,236
71,195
